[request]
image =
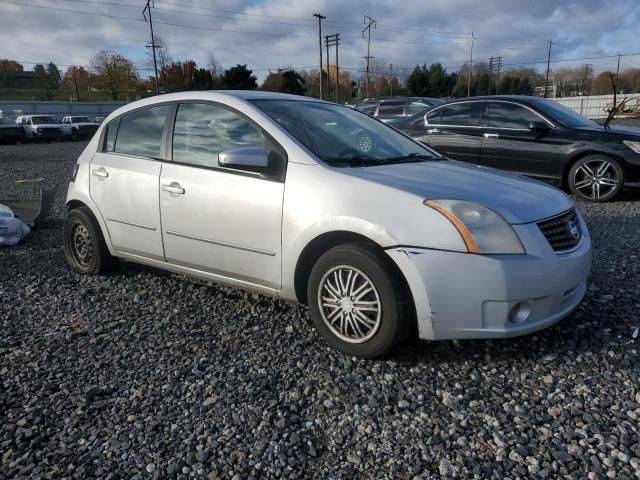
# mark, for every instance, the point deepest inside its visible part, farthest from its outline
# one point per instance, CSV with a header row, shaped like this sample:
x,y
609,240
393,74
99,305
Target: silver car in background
x,y
314,202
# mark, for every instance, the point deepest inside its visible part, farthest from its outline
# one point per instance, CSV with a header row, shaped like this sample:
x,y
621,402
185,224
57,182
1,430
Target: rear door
x,y
215,219
508,142
453,130
124,181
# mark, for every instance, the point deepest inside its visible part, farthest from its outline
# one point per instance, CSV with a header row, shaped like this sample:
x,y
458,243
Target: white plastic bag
x,y
12,230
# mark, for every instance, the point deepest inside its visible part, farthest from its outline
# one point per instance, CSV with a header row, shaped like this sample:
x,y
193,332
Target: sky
x,y
271,34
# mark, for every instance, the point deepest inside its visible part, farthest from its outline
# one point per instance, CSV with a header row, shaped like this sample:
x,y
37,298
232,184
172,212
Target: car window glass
x,y
416,106
433,117
391,108
110,135
140,132
369,108
202,131
463,114
510,115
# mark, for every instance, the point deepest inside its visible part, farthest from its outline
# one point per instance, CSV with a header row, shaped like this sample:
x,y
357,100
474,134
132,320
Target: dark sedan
x,y
10,132
394,108
535,137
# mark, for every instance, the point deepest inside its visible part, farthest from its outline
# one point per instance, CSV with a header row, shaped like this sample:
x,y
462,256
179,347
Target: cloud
x,y
278,33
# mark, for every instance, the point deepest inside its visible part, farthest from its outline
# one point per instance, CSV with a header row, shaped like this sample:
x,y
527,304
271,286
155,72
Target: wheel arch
x,y
78,203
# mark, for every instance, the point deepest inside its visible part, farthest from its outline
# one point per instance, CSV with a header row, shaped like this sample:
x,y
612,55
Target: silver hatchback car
x,y
314,202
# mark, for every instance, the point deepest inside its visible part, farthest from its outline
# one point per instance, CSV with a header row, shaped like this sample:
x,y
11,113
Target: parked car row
x,y
46,128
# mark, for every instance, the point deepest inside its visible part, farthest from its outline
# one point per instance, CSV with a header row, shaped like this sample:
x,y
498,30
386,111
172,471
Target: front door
x,y
124,181
510,144
215,219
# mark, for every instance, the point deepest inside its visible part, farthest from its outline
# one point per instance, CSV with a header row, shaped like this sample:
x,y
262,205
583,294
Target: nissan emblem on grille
x,y
563,232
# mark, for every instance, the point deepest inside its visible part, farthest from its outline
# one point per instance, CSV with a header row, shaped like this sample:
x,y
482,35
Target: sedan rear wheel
x,y
596,178
84,245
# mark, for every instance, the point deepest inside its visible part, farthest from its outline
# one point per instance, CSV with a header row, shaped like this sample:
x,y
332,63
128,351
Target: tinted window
x,y
564,115
110,135
203,131
433,117
463,114
391,108
140,132
510,115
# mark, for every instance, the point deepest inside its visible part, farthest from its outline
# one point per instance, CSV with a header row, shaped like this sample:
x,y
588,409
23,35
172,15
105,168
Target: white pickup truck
x,y
40,127
77,126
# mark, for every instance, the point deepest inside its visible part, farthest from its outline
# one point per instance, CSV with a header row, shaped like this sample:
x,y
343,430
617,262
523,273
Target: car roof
x,y
509,98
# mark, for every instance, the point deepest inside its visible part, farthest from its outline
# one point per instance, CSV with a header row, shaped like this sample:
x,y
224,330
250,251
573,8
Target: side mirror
x,y
251,159
538,126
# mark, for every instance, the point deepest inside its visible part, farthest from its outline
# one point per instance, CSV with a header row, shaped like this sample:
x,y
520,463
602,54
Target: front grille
x,y
563,232
50,130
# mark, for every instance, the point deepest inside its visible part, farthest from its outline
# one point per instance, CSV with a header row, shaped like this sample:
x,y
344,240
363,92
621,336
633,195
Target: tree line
x,y
116,77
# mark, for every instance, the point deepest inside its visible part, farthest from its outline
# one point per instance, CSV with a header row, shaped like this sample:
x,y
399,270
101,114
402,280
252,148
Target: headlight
x,y
481,229
635,146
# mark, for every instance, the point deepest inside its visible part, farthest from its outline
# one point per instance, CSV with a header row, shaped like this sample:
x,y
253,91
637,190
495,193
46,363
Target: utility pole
x,y
391,81
333,41
495,64
320,18
546,82
587,73
75,80
618,69
470,67
369,22
152,45
326,42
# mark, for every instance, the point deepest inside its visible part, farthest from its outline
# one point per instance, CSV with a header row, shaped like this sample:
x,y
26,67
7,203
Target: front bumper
x,y
460,295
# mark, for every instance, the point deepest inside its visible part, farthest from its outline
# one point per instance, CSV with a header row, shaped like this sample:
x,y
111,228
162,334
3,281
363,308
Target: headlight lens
x,y
635,146
481,229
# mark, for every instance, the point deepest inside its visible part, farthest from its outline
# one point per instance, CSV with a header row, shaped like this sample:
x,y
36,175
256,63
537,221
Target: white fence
x,y
60,109
597,106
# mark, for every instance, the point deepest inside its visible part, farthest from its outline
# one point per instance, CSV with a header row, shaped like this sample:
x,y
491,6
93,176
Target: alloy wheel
x,y
349,304
596,179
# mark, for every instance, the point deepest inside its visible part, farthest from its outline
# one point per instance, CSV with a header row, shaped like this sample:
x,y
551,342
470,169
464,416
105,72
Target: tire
x,y
84,246
596,178
335,316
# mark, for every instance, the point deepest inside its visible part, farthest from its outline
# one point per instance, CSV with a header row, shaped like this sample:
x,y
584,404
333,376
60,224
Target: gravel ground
x,y
146,374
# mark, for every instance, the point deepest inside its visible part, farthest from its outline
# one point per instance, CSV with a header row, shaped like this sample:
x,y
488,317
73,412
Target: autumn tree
x,y
7,65
115,73
284,81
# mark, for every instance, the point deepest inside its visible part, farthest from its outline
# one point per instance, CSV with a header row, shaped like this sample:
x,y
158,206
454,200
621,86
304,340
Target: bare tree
x,y
214,66
115,73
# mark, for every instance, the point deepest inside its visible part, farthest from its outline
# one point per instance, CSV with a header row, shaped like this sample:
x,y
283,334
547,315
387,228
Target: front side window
x,y
140,132
202,131
465,114
417,106
433,117
41,120
368,108
340,136
510,115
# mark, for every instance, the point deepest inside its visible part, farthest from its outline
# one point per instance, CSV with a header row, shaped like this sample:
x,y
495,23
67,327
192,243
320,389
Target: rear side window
x,y
466,114
202,131
510,115
368,108
140,132
391,108
110,135
417,106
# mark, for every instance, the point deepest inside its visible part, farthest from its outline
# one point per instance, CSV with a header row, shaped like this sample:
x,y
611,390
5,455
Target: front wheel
x,y
596,178
84,245
356,301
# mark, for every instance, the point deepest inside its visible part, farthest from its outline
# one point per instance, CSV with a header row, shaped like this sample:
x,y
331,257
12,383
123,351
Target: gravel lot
x,y
146,374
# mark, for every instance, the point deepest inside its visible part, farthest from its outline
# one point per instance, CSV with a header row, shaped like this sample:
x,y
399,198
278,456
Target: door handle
x,y
100,172
491,135
173,187
433,130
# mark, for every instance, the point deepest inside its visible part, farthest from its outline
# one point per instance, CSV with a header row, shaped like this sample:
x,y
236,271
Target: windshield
x,y
564,115
342,136
42,120
79,119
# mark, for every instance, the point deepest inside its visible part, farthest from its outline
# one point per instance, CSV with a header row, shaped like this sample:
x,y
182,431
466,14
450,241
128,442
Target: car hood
x,y
517,199
615,131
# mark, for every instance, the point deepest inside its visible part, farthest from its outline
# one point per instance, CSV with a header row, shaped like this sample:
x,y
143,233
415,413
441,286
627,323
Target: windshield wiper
x,y
353,161
412,157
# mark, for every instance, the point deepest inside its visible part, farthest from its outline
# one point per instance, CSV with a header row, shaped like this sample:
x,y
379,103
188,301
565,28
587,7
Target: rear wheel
x,y
596,178
356,301
84,245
